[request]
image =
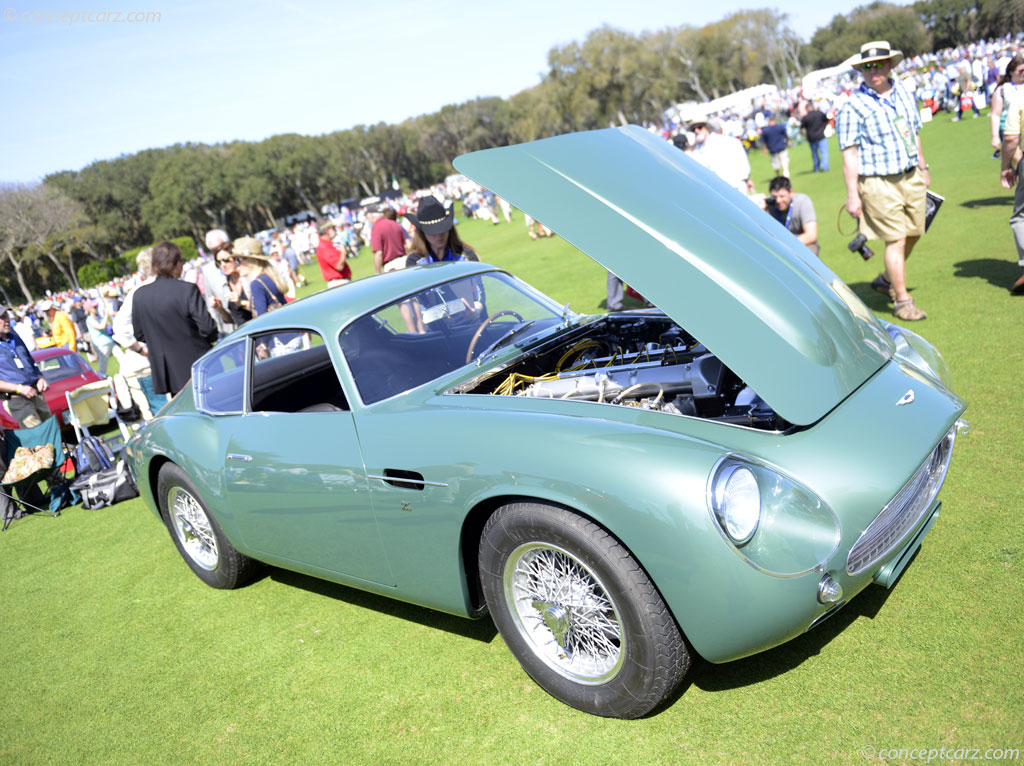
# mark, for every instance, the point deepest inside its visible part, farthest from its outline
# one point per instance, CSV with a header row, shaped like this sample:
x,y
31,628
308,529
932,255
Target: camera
x,y
859,245
770,200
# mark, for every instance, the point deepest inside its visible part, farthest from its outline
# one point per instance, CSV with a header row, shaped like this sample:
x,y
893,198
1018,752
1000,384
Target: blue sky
x,y
74,91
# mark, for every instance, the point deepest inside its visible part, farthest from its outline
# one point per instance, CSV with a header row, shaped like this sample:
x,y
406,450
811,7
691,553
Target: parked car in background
x,y
619,492
65,371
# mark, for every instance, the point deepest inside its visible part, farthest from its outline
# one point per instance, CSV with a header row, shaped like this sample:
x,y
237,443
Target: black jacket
x,y
171,318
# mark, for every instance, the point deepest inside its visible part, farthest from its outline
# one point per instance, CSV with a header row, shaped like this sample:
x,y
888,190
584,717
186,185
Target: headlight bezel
x,y
719,503
786,506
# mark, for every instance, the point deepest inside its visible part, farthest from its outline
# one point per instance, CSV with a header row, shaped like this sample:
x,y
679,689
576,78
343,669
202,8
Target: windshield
x,y
425,335
58,368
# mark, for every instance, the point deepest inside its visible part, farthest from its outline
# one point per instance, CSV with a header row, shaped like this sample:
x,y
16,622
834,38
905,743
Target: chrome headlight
x,y
736,502
773,522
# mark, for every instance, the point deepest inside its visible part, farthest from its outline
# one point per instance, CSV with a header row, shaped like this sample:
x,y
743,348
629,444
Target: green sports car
x,y
618,492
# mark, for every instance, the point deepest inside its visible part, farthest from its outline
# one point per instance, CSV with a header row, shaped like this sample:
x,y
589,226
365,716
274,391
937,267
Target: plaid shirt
x,y
867,122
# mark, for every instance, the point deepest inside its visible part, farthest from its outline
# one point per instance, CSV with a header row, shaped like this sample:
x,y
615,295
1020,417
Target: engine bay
x,y
644,361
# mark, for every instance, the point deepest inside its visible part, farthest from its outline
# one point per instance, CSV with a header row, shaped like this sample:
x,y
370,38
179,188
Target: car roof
x,y
337,306
42,354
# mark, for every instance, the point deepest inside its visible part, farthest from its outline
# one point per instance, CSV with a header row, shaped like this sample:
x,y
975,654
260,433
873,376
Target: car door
x,y
293,471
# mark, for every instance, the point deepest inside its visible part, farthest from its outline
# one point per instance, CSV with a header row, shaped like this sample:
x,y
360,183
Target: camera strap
x,y
839,218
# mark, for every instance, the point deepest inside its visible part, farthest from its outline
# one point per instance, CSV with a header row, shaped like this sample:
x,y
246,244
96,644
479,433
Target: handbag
x,y
272,302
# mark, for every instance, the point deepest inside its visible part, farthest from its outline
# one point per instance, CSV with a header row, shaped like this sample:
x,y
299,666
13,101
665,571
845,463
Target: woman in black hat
x,y
435,238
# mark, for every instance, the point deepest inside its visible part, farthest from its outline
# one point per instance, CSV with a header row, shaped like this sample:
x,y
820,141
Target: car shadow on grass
x,y
781,659
999,273
478,630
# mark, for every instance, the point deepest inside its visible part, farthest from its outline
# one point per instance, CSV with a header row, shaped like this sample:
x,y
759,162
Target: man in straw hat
x,y
884,168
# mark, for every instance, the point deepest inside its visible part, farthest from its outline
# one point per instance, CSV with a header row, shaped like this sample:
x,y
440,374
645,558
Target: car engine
x,y
634,361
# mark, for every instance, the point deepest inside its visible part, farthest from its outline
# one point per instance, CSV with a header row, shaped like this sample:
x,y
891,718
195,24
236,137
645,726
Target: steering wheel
x,y
483,326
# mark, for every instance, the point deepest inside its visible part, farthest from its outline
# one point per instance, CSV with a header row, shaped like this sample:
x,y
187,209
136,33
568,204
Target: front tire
x,y
578,612
196,534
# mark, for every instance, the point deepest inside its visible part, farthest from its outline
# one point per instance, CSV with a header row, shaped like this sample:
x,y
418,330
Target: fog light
x,y
829,591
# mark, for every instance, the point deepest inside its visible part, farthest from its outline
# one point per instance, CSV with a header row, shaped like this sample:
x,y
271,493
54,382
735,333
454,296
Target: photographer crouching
x,y
793,210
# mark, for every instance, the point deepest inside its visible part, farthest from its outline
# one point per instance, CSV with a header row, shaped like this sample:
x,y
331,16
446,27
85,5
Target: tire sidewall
x,y
171,477
522,524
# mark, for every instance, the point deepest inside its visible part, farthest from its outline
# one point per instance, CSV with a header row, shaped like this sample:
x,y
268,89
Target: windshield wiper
x,y
503,340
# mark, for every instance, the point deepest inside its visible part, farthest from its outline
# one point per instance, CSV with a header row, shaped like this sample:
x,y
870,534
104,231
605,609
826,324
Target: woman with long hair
x,y
265,287
435,237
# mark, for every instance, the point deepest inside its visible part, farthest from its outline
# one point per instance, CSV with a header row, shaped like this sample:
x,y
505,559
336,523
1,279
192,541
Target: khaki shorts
x,y
893,206
28,412
395,263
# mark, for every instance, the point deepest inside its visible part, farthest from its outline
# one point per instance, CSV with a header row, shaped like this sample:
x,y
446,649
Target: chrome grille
x,y
903,512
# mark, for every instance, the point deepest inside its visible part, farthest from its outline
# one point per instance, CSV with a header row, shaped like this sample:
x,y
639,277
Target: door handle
x,y
243,458
405,479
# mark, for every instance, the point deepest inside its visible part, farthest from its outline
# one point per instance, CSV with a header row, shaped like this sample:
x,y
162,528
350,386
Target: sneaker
x,y
882,285
907,311
996,154
1018,286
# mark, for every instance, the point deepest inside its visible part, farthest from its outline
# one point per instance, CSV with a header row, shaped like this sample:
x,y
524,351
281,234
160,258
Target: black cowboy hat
x,y
431,216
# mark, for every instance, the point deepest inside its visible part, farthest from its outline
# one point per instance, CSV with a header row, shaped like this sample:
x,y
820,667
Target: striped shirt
x,y
869,122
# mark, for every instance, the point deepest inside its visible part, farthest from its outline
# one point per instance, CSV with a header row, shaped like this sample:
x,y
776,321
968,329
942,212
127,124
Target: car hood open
x,y
719,266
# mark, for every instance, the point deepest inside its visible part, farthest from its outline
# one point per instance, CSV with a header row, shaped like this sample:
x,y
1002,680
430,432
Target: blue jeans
x,y
819,154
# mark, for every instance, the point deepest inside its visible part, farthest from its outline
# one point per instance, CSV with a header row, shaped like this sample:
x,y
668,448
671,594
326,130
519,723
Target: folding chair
x,y
47,432
90,406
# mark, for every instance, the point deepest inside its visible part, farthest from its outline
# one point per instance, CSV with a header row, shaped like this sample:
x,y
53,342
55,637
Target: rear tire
x,y
196,534
578,612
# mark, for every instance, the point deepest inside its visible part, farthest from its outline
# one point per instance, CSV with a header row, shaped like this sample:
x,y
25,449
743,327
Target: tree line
x,y
50,230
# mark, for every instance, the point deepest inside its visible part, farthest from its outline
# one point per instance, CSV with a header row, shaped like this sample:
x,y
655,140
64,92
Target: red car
x,y
65,371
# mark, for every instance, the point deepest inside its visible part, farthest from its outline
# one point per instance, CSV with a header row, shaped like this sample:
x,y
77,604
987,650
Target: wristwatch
x,y
926,166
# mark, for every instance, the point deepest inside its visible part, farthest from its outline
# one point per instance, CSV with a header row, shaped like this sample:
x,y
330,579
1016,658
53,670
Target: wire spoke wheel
x,y
564,613
193,529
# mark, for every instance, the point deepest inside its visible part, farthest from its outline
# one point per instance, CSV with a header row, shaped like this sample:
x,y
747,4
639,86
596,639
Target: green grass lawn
x,y
115,653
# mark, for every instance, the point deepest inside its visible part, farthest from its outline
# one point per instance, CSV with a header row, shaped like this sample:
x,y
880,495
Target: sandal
x,y
882,284
907,311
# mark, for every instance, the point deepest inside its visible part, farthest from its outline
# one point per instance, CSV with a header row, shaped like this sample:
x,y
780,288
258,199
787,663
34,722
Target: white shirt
x,y
726,158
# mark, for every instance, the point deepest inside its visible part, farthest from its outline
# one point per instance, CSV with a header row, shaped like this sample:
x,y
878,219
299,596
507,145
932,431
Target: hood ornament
x,y
907,398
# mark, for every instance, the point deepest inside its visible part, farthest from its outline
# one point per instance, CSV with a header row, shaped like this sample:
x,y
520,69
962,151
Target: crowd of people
x,y
876,103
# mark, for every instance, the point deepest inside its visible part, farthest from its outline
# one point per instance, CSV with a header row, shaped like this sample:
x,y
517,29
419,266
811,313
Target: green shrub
x,y
92,274
187,245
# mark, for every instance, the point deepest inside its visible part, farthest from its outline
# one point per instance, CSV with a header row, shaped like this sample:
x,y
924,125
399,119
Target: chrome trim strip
x,y
407,481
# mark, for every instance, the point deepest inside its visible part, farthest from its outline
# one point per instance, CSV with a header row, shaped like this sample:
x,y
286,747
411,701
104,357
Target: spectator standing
x,y
813,127
333,263
264,285
884,168
21,383
793,210
101,341
436,238
966,99
171,318
1010,86
722,155
78,317
776,142
62,329
214,282
1012,170
387,240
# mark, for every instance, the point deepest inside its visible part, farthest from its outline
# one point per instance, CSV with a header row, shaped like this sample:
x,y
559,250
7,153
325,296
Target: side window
x,y
292,372
218,380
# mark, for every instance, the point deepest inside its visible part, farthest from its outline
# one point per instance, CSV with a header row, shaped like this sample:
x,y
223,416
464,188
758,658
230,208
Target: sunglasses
x,y
226,259
872,65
